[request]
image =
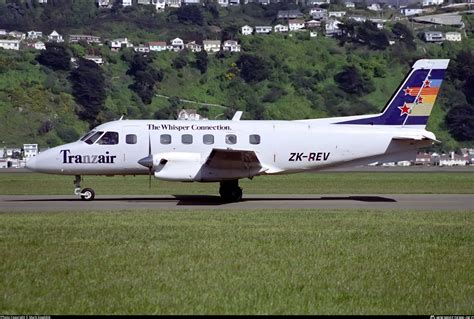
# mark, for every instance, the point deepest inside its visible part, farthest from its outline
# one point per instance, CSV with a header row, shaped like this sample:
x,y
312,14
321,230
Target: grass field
x,y
318,183
237,262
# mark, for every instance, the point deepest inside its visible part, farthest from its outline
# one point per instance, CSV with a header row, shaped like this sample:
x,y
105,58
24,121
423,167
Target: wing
x,y
230,164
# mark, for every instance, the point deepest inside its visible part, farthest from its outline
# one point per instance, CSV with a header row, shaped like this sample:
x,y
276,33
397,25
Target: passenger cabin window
x,y
208,139
109,138
231,139
187,139
165,139
131,139
92,138
254,139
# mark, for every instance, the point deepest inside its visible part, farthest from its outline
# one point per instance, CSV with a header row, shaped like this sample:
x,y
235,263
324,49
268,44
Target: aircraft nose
x,y
31,164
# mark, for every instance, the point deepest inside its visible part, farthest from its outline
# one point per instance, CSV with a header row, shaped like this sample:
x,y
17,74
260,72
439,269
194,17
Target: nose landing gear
x,y
86,193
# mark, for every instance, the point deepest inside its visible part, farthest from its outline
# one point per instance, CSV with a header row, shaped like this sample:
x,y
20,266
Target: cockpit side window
x,y
92,138
85,136
109,138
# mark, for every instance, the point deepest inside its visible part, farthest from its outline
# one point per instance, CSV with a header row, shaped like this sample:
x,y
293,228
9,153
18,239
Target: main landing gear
x,y
86,193
230,191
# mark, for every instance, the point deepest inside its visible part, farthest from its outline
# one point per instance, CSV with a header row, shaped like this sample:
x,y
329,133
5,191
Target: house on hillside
x,y
157,46
311,24
33,35
104,3
336,14
55,37
211,46
117,44
37,45
318,13
426,3
142,48
223,3
10,44
94,58
433,36
247,30
407,12
374,7
17,35
193,46
74,38
295,24
126,3
173,3
159,5
332,27
177,44
263,29
349,4
289,14
280,28
453,36
231,46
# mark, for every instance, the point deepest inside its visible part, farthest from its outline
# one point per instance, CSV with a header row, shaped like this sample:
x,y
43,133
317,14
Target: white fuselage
x,y
280,146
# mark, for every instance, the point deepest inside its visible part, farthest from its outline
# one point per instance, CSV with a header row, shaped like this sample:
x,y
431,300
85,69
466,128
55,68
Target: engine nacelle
x,y
177,166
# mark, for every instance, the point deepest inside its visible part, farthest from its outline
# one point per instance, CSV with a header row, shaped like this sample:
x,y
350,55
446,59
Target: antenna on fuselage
x,y
237,116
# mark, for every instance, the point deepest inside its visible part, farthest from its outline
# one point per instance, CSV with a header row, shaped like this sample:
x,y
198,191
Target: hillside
x,y
296,76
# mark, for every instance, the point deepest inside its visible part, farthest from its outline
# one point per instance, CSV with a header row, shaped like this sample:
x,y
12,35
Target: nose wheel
x,y
86,193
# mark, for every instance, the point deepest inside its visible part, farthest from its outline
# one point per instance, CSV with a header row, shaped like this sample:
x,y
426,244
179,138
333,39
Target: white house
x,y
378,22
142,48
337,14
126,3
190,114
188,2
116,44
312,24
223,3
17,35
104,4
426,3
10,44
55,37
349,4
143,2
263,29
433,36
211,46
295,24
94,58
3,32
279,28
374,7
453,36
235,2
159,4
157,46
231,45
313,34
33,35
318,13
407,12
177,44
37,45
332,27
173,3
193,46
247,30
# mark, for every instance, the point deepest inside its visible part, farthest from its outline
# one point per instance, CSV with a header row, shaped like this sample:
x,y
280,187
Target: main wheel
x,y
87,194
231,194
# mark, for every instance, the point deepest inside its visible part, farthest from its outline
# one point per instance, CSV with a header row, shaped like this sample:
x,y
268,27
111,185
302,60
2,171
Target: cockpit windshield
x,y
85,136
91,138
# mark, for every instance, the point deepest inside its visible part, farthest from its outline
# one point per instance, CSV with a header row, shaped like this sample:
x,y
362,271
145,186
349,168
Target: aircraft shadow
x,y
212,200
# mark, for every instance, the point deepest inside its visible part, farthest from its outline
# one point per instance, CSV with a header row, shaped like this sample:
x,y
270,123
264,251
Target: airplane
x,y
226,151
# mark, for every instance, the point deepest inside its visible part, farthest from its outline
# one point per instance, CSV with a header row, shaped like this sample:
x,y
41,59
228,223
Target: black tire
x,y
87,194
233,194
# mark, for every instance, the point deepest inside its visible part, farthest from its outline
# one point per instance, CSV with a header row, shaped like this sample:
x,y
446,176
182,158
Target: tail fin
x,y
414,99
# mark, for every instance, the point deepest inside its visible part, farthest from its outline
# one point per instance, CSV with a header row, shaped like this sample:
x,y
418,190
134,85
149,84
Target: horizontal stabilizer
x,y
419,137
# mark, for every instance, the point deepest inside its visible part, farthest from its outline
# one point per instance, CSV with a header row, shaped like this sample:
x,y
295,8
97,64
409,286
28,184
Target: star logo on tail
x,y
405,109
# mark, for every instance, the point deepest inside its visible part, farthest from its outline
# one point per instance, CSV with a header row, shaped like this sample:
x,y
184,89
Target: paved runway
x,y
42,203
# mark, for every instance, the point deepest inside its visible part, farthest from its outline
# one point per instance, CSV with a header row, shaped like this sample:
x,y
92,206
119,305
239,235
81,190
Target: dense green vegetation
x,y
236,262
317,183
275,77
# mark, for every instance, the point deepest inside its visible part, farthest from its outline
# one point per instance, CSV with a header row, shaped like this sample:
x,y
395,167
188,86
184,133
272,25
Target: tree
x,y
253,68
201,61
190,14
405,35
145,77
88,89
351,81
55,57
460,122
